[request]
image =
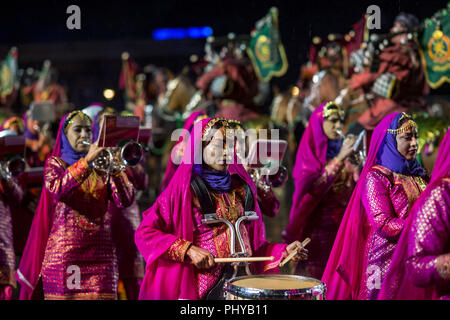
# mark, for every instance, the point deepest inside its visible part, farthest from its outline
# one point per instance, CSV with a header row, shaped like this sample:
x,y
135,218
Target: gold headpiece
x,y
328,111
409,125
211,123
72,115
14,120
200,118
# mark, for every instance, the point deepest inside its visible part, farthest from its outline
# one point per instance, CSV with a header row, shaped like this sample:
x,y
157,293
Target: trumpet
x,y
266,178
12,168
129,155
360,152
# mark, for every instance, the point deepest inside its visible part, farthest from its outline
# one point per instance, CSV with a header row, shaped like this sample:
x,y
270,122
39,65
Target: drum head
x,y
274,287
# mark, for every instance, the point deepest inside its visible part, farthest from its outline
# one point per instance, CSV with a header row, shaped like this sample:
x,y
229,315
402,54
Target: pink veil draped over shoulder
x,y
170,218
30,265
171,166
345,266
309,163
397,285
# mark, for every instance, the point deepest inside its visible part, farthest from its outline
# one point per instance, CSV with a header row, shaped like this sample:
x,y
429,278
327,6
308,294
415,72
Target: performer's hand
x,y
6,292
202,259
302,253
94,151
347,148
361,79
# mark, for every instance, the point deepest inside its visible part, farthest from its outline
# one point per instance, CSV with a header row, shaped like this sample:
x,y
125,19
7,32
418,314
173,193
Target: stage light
x,y
108,94
180,33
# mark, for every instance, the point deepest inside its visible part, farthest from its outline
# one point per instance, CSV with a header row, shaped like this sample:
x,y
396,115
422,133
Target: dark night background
x,y
88,60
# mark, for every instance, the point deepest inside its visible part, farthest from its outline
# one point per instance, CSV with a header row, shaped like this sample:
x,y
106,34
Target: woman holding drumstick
x,y
179,248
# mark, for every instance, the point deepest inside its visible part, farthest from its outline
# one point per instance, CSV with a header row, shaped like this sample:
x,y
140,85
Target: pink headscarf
x,y
397,285
33,254
309,163
171,166
345,265
170,218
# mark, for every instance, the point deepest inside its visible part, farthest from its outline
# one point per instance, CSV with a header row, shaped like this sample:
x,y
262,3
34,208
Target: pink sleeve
x,y
378,205
122,190
327,178
428,262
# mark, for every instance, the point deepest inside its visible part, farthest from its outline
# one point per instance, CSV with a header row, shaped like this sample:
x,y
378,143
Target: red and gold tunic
x,y
80,259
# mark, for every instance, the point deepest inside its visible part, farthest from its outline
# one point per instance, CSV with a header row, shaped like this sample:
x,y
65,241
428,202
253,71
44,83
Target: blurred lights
x,y
108,94
295,91
180,33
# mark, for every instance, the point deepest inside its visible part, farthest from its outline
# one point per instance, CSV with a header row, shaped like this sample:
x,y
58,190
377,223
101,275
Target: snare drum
x,y
274,287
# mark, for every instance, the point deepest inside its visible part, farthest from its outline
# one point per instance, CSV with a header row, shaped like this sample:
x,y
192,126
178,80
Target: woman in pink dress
x,y
178,247
390,183
70,243
324,181
420,266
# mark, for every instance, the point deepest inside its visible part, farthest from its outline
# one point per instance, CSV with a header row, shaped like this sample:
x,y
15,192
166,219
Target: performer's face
x,y
33,125
215,153
79,130
398,28
331,126
407,144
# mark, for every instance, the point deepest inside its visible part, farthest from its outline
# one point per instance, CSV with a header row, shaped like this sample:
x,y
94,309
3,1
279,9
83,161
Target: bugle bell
x,y
130,154
12,167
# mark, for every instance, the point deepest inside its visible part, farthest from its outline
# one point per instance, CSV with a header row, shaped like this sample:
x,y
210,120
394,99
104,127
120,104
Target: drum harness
x,y
210,217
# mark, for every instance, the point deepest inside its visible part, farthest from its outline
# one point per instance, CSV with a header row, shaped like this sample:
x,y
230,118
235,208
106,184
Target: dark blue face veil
x,y
389,157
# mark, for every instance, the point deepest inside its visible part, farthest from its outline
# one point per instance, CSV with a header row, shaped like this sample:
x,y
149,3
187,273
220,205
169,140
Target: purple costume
x,y
420,266
374,219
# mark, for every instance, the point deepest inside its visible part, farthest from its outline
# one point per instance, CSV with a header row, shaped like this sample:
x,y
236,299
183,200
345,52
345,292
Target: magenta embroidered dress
x,y
420,268
81,232
387,199
10,195
71,230
374,219
174,222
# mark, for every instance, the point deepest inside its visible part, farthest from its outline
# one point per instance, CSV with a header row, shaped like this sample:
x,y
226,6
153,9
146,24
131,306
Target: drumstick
x,y
243,259
293,253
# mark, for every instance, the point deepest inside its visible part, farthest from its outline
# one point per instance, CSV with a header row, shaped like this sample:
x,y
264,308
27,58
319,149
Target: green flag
x,y
265,48
436,48
8,73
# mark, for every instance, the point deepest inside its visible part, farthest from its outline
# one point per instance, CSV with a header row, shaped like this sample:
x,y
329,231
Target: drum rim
x,y
253,293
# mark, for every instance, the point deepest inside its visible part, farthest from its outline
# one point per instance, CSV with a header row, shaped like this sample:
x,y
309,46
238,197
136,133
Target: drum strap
x,y
206,203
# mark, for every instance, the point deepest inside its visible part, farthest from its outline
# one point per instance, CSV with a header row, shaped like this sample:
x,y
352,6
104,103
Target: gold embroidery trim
x,y
178,249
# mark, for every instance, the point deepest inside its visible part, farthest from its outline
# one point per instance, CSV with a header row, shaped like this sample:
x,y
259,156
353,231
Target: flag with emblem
x,y
8,73
436,48
265,48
